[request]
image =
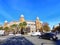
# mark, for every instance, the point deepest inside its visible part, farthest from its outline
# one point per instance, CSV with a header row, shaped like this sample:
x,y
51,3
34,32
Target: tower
x,y
5,23
22,18
38,24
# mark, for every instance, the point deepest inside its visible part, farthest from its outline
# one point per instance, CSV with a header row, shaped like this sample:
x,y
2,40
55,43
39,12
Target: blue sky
x,y
46,10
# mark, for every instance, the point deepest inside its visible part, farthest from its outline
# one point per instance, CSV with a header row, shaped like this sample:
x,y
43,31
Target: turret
x,y
22,18
38,24
5,23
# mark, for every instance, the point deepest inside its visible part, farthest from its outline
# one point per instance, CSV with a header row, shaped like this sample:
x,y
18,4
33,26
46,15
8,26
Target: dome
x,y
6,21
22,15
37,18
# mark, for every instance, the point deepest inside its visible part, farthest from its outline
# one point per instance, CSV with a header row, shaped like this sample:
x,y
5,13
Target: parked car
x,y
50,36
11,34
2,32
36,33
18,35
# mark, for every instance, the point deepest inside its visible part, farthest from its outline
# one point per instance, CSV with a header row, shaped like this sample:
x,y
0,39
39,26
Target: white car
x,y
17,34
2,32
36,34
11,34
29,33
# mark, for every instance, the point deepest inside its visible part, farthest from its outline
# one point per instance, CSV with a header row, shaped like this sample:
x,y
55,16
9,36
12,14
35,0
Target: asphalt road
x,y
37,41
34,40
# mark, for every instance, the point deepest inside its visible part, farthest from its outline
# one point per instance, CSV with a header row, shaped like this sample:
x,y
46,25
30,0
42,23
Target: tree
x,y
1,28
56,28
6,30
14,27
22,26
46,27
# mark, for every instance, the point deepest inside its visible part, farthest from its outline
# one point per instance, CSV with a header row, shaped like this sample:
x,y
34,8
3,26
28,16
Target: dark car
x,y
48,36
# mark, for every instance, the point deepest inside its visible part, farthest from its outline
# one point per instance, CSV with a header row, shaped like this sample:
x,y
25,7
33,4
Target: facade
x,y
32,26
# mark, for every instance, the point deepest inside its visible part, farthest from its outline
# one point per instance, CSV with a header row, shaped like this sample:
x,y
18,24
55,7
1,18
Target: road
x,y
34,40
37,41
3,38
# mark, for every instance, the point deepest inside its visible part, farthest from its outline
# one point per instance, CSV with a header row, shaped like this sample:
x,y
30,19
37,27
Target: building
x,y
32,26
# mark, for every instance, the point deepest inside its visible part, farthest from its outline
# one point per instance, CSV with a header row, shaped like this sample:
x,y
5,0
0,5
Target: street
x,y
34,40
37,41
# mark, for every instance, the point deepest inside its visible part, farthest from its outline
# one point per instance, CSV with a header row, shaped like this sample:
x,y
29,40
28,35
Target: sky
x,y
47,10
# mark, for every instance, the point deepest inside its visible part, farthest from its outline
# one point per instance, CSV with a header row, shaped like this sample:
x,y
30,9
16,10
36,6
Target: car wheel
x,y
56,38
39,37
51,38
31,35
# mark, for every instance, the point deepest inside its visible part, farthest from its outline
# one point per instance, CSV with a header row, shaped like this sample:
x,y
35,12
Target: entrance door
x,y
28,29
22,32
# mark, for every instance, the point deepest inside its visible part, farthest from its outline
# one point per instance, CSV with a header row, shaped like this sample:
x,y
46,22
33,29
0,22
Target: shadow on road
x,y
57,42
17,41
